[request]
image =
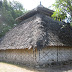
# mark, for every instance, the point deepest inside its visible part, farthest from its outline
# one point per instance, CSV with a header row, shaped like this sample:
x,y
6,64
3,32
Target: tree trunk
x,y
71,16
71,13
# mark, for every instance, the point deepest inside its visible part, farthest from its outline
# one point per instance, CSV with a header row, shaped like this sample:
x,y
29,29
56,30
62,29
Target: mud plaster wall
x,y
23,56
43,56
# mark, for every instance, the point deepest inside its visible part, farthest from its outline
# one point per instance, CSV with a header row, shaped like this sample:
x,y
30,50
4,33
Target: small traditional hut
x,y
38,39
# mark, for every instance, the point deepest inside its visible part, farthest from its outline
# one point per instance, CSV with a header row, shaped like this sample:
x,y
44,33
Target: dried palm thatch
x,y
38,9
37,31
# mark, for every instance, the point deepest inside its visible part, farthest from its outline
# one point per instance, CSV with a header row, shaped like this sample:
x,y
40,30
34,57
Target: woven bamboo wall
x,y
37,57
53,54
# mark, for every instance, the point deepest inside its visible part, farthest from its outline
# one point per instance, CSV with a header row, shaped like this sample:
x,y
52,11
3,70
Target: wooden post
x,y
57,54
39,54
35,54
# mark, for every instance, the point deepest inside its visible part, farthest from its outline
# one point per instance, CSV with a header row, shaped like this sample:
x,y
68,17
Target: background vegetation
x,y
9,11
63,10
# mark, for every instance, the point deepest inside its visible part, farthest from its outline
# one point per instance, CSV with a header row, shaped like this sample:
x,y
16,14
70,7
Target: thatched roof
x,y
38,9
37,31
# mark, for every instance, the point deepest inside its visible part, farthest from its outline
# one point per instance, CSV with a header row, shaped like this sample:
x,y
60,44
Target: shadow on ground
x,y
9,67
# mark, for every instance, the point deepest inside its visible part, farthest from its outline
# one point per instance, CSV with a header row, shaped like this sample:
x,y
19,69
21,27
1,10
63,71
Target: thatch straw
x,y
37,31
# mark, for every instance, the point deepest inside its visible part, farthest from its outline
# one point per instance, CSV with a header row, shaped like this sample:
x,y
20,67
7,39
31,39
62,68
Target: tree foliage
x,y
9,11
63,9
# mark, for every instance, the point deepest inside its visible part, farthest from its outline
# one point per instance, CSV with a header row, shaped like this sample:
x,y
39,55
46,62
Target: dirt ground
x,y
7,67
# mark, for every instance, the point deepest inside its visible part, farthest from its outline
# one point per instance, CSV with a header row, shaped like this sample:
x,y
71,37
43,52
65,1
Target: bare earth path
x,y
6,67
